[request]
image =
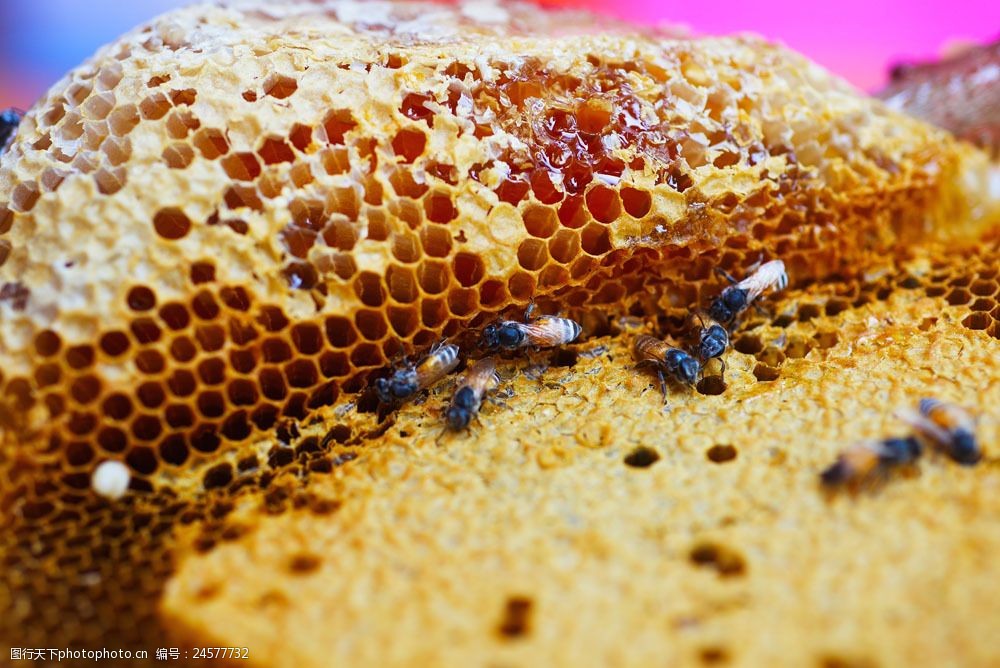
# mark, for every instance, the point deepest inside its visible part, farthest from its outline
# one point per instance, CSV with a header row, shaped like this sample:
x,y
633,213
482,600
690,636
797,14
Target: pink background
x,y
41,39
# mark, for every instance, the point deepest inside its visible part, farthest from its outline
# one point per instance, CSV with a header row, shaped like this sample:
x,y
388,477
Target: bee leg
x,y
725,274
663,383
722,374
529,311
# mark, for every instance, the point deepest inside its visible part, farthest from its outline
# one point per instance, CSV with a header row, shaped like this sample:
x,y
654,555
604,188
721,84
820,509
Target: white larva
x,y
110,480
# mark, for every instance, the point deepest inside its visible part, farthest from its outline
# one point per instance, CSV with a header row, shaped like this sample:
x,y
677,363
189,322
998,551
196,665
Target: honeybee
x,y
542,332
949,428
481,379
867,462
9,120
737,297
713,340
679,364
407,381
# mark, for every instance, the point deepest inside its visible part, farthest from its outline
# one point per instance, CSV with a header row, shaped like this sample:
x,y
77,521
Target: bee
x,y
737,297
9,120
949,428
411,378
542,332
713,341
481,379
678,363
867,462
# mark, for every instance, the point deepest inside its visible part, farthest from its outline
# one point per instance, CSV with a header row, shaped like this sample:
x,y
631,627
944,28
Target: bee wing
x,y
547,331
924,425
483,375
767,275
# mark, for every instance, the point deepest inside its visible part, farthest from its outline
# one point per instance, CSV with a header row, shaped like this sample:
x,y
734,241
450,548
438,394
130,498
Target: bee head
x,y
383,390
491,336
903,450
964,449
713,342
835,474
688,370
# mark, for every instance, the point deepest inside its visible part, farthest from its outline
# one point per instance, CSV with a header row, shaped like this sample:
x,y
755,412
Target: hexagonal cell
x,y
404,320
369,289
171,223
435,240
439,207
532,254
409,144
280,86
564,246
462,301
337,124
275,150
604,204
211,143
241,166
595,240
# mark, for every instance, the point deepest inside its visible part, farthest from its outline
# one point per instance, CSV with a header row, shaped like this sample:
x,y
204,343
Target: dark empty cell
x,y
402,284
797,348
564,357
205,439
334,364
573,212
748,344
404,320
79,453
211,404
636,202
369,289
513,191
182,383
295,406
301,136
301,275
80,357
114,343
977,321
145,330
371,324
183,349
836,306
179,416
47,374
275,350
532,254
808,312
713,655
324,395
564,246
825,339
492,293
409,144
433,277
142,460
711,385
982,304
725,561
983,288
516,618
433,312
958,296
141,298
117,406
82,424
241,166
603,204
47,343
366,355
272,384
301,373
151,394
146,428
112,440
436,240
275,150
171,223
150,361
935,290
337,124
264,417
462,301
521,286
85,389
280,86
242,392
439,207
235,297
298,240
721,453
307,338
202,272
642,457
212,371
154,107
595,240
174,450
218,476
340,331
540,221
338,434
185,97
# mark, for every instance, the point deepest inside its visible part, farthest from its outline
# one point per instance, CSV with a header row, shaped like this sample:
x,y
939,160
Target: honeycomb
x,y
219,230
